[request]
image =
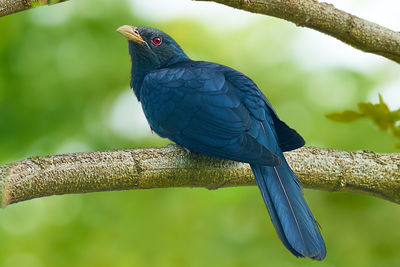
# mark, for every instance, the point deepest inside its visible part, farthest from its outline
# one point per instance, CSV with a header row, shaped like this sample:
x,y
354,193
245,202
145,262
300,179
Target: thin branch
x,y
323,17
325,169
8,7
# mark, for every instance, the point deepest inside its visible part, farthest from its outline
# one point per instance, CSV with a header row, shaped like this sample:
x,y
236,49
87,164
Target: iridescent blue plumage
x,y
215,110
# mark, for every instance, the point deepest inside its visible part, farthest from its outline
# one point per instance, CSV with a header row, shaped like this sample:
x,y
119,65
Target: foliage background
x,y
64,76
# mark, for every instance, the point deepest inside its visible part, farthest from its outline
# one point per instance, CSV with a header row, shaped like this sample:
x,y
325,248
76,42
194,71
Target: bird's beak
x,y
130,33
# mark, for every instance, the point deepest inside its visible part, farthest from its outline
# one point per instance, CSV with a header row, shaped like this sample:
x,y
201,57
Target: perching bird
x,y
215,110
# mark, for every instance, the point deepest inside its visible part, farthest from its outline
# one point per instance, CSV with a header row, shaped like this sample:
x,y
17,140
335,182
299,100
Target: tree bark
x,y
323,17
8,7
325,169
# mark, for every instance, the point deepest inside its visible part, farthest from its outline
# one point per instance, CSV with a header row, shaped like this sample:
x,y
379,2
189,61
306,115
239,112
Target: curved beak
x,y
131,33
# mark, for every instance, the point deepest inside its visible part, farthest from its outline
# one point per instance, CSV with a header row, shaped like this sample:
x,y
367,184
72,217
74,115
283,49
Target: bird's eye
x,y
156,40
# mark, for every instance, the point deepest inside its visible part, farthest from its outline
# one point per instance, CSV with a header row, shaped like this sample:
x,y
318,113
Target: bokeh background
x,y
64,87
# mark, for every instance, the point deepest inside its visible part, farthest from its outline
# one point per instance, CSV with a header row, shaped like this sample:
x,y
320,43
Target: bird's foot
x,y
179,147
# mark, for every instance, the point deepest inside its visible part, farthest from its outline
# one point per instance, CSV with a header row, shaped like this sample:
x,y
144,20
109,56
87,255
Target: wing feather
x,y
204,108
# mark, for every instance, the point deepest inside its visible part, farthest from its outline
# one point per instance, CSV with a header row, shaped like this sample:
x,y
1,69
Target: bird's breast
x,y
163,110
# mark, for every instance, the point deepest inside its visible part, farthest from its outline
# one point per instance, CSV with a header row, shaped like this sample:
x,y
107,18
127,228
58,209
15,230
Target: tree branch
x,y
8,7
325,169
323,17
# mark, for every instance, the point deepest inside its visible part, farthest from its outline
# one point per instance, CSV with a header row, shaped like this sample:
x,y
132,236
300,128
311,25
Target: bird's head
x,y
151,47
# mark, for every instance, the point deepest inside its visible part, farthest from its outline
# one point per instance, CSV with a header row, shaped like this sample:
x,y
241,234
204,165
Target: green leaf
x,y
345,116
381,99
396,114
396,131
378,113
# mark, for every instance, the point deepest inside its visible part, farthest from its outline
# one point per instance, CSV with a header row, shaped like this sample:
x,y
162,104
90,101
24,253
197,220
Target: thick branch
x,y
8,7
326,169
323,17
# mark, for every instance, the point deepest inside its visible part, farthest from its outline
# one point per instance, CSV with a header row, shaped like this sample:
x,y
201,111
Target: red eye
x,y
156,40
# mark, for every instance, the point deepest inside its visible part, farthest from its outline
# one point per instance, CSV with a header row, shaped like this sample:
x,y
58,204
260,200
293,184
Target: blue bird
x,y
215,110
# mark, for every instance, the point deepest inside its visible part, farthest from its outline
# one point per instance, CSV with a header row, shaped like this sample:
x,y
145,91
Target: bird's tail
x,y
292,218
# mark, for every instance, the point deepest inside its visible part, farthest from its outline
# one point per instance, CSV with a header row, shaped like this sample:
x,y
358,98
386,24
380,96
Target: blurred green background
x,y
64,87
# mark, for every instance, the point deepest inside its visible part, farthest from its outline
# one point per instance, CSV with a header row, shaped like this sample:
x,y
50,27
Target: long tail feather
x,y
293,220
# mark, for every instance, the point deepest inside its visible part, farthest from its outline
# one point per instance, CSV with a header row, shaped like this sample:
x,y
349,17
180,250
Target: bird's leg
x,y
180,147
187,150
190,153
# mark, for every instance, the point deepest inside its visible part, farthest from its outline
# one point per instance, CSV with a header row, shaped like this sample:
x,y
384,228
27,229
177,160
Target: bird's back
x,y
171,96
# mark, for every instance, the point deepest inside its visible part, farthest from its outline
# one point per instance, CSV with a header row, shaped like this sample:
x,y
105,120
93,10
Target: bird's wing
x,y
198,108
260,107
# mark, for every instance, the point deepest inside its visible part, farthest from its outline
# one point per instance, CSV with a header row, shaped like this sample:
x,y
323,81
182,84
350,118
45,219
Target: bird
x,y
211,109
